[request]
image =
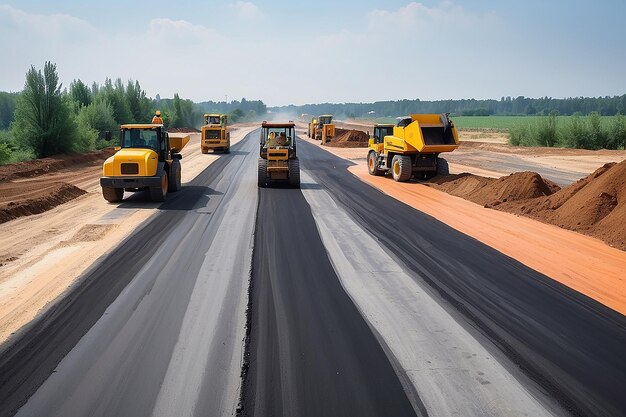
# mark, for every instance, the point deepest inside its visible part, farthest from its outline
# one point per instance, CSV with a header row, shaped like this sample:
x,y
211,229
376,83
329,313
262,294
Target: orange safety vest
x,y
156,120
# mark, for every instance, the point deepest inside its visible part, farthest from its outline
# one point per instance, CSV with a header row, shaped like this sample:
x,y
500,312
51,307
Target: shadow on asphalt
x,y
190,197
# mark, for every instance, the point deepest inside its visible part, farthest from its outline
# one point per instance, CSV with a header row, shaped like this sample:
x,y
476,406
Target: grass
x,y
506,123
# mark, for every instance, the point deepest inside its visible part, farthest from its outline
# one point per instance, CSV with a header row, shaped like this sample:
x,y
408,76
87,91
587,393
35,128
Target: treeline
x,y
248,110
577,131
46,119
605,106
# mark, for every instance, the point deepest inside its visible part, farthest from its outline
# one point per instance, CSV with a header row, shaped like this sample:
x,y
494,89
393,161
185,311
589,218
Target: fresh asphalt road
x,y
359,305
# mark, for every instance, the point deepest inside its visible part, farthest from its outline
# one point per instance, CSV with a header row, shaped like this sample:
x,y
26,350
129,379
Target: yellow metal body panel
x,y
140,126
146,160
219,140
311,132
376,147
409,139
328,131
277,159
177,143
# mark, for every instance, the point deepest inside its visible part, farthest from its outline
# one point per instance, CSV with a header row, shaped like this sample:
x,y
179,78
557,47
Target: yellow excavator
x,y
215,134
411,148
148,158
278,161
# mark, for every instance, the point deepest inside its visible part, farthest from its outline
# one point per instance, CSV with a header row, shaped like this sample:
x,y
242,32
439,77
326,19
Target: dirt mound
x,y
594,205
35,201
55,163
492,192
182,130
349,138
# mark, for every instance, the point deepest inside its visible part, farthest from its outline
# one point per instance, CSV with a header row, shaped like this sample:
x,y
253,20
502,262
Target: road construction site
x,y
354,295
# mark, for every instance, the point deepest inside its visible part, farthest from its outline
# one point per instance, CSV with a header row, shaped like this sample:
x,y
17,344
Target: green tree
x,y
597,134
576,134
7,108
80,93
5,153
116,96
236,115
99,117
138,103
618,132
43,121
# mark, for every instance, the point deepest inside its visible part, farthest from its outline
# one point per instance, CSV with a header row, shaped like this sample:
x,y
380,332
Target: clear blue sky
x,y
324,51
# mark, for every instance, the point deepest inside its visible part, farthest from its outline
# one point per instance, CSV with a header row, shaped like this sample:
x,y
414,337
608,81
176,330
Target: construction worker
x,y
156,120
271,140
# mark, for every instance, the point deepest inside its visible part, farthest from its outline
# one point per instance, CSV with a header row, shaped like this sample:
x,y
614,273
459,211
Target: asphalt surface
x,y
157,327
569,344
359,305
311,352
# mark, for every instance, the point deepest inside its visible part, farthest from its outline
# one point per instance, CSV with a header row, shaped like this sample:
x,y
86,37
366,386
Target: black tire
x,y
113,195
294,173
262,170
401,168
159,193
204,150
175,181
372,164
442,167
227,150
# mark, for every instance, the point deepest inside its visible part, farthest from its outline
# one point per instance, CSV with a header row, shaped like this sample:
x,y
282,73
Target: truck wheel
x,y
175,177
442,167
227,149
262,168
294,173
160,193
113,195
205,150
401,168
372,164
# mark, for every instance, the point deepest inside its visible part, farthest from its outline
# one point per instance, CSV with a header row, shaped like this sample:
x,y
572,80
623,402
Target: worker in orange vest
x,y
156,120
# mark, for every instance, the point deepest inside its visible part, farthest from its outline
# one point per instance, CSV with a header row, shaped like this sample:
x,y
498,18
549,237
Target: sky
x,y
288,52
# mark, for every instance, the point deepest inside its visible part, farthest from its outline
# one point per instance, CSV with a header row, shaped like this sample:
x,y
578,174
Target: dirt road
x,y
488,154
47,252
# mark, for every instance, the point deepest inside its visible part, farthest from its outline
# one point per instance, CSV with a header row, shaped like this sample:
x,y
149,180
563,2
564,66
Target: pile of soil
x,y
349,138
594,205
36,200
182,130
55,163
491,192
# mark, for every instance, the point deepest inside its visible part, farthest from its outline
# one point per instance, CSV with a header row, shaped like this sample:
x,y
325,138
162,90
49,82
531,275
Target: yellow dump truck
x,y
278,161
148,159
322,128
411,148
215,134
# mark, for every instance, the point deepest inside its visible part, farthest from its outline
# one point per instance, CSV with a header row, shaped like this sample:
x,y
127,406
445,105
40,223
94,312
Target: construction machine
x,y
322,128
311,128
278,161
215,133
412,147
148,158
